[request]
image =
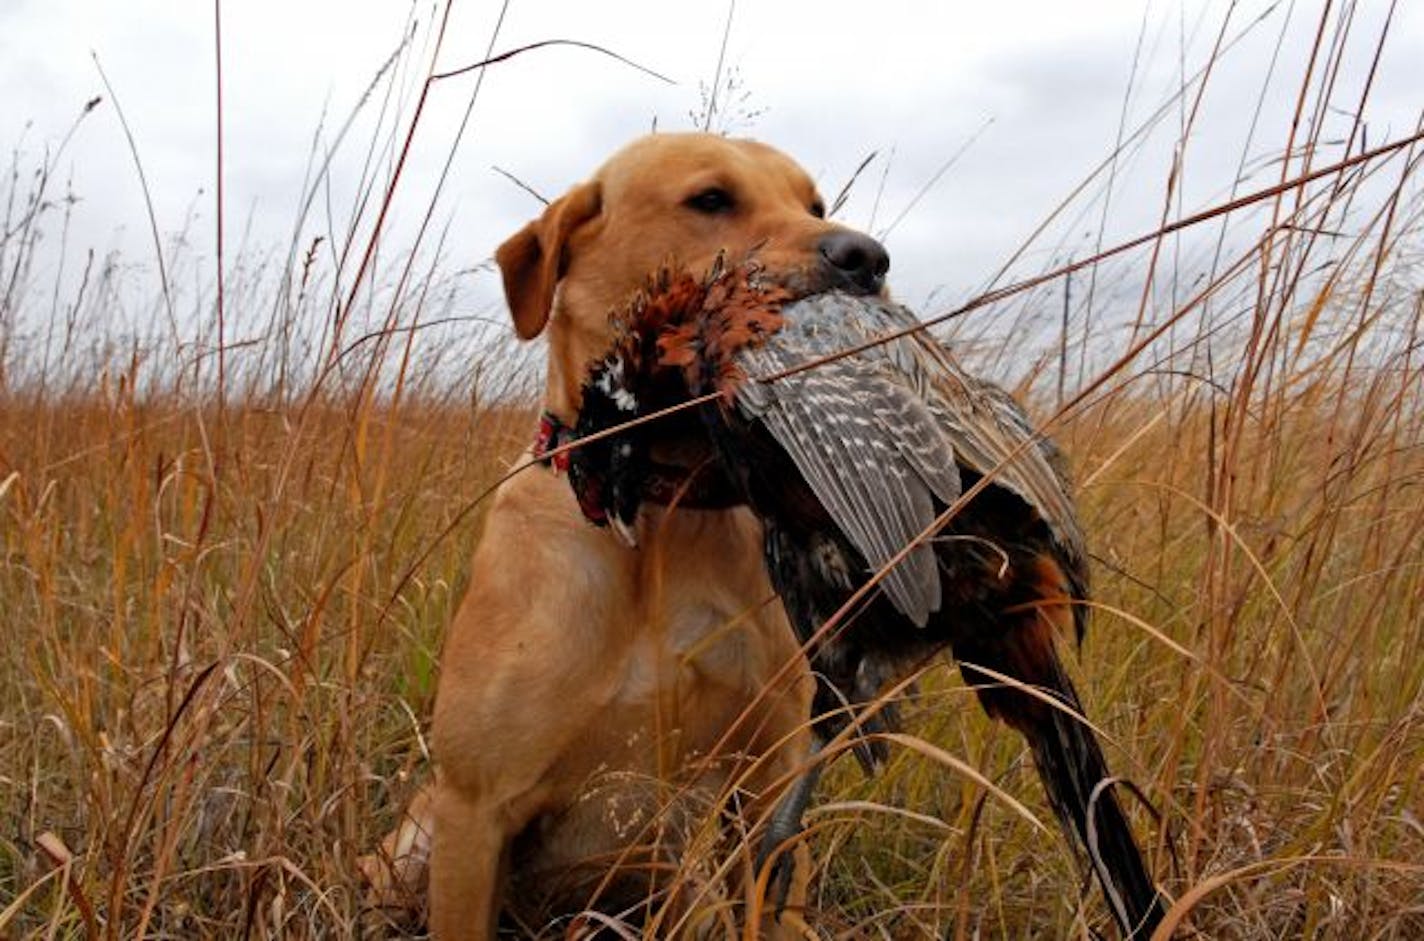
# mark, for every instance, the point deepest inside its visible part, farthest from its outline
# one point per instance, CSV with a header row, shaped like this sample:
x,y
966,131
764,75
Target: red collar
x,y
553,434
697,488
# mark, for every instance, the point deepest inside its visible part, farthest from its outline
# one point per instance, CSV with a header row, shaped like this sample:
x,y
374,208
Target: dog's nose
x,y
857,258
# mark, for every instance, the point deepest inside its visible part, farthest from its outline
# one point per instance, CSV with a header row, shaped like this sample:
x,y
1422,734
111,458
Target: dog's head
x,y
669,199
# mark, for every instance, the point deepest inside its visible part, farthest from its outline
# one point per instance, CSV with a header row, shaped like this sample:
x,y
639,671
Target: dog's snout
x,y
857,258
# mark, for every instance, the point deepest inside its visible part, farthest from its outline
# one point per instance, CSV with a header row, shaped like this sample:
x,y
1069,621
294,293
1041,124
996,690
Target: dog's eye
x,y
712,201
818,209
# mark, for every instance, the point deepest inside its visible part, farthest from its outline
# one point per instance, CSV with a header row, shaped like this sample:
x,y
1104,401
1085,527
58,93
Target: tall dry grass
x,y
225,598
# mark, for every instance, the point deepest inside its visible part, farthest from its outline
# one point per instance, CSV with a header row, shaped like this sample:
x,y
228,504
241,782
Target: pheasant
x,y
886,461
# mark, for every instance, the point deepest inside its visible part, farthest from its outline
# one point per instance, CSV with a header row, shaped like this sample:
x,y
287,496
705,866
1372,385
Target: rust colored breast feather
x,y
699,325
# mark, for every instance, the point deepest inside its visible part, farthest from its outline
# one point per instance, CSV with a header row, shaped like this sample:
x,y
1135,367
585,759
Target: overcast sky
x,y
1031,92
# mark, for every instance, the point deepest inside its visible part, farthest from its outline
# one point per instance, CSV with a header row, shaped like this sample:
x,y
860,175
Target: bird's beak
x,y
626,534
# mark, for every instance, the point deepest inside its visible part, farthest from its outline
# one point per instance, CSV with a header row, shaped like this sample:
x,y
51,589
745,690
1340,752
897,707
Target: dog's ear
x,y
533,259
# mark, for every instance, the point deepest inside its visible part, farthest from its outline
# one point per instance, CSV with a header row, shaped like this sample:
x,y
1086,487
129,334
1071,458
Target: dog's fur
x,y
583,683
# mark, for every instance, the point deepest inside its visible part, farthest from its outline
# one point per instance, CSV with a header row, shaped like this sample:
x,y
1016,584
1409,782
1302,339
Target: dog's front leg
x,y
467,867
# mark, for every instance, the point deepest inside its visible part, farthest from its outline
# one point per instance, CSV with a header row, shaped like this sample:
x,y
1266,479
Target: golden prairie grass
x,y
224,612
215,695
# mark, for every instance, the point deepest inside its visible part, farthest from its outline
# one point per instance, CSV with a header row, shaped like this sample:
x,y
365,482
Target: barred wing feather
x,y
879,435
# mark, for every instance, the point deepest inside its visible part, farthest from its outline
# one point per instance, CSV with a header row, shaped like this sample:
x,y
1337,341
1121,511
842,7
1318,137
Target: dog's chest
x,y
698,644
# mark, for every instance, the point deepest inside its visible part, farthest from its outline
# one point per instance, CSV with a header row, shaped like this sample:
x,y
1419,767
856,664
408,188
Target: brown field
x,y
224,611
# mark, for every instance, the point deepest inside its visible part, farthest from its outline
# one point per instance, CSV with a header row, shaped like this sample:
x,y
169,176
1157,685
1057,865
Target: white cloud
x,y
833,80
